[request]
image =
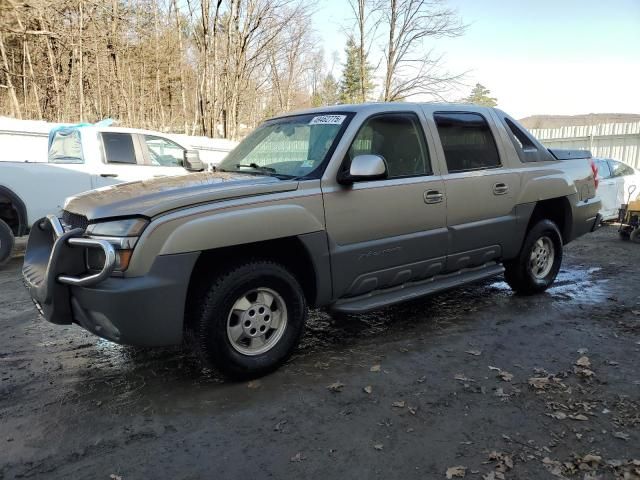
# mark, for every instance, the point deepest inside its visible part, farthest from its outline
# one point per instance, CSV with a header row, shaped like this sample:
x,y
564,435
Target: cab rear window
x,y
66,147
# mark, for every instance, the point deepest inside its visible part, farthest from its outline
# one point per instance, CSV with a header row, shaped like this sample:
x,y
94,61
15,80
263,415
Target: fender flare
x,y
19,207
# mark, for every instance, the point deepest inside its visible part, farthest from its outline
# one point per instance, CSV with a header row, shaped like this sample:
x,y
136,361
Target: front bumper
x,y
145,311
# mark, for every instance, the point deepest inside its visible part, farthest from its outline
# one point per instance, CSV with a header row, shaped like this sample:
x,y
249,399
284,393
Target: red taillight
x,y
594,169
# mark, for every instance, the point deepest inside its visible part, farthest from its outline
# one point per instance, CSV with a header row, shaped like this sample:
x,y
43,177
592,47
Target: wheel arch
x,y
558,210
13,211
305,256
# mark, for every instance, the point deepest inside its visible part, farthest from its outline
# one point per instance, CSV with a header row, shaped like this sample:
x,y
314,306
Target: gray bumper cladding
x,y
146,310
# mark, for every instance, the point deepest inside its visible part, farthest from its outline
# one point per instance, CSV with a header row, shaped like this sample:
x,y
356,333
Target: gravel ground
x,y
475,382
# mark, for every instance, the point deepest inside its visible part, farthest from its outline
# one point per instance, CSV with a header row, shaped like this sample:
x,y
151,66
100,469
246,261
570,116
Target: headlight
x,y
122,235
130,227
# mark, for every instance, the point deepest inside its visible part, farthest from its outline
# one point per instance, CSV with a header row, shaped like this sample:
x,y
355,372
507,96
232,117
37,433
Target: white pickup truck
x,y
83,158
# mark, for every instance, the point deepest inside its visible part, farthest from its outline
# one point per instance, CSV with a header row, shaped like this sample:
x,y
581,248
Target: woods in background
x,y
197,66
208,67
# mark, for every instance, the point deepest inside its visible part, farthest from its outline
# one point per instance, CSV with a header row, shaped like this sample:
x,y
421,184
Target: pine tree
x,y
480,96
350,90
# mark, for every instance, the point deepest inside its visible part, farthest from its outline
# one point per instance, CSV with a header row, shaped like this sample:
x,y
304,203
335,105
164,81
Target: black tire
x,y
635,235
519,273
7,242
210,322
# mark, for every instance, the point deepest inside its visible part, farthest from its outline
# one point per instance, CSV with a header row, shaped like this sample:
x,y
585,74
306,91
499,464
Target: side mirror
x,y
364,168
192,161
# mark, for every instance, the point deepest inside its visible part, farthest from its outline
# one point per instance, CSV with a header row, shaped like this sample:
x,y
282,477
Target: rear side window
x,y
619,169
66,147
603,168
467,141
521,138
118,148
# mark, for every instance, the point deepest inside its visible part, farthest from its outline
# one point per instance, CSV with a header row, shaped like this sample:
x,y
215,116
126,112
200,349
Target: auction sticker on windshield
x,y
327,120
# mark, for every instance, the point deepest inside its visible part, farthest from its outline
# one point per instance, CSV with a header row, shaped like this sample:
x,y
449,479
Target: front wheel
x,y
537,265
251,319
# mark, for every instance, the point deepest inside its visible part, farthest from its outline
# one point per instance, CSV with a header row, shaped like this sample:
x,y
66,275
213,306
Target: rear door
x,y
390,231
480,189
123,159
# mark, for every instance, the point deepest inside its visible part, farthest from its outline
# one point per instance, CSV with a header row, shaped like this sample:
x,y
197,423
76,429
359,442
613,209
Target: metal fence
x,y
620,141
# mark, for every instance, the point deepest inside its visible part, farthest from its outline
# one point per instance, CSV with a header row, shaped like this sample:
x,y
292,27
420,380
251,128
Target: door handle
x,y
109,175
500,189
433,196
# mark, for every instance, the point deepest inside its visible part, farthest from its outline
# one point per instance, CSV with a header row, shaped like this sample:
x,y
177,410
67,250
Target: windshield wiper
x,y
259,170
255,166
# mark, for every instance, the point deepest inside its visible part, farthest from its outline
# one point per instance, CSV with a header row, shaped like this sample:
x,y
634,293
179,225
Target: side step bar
x,y
383,298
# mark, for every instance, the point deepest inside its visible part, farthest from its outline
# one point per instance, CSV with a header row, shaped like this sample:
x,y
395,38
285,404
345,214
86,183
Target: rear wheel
x,y
6,242
251,319
539,261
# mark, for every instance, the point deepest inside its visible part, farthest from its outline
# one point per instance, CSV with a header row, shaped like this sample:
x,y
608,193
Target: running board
x,y
402,293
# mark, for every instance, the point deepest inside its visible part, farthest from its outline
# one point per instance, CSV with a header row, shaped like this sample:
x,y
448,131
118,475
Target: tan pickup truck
x,y
353,208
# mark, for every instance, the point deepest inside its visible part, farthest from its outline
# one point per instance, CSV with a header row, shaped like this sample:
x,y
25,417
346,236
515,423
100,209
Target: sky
x,y
561,57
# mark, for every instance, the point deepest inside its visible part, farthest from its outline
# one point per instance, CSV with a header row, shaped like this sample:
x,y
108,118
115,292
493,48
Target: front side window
x,y
396,137
291,147
118,148
163,152
619,169
66,147
467,141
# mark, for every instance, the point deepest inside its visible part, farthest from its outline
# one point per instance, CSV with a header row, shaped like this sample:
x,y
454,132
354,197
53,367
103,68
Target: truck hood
x,y
153,197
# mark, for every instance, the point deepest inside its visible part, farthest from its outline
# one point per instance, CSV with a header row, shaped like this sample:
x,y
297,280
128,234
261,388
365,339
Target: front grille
x,y
73,220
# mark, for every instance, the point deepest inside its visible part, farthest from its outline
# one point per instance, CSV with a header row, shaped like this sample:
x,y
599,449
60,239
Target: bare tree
x,y
367,22
410,67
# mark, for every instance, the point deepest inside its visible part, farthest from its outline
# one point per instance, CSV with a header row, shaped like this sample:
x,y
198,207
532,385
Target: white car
x,y
83,158
615,179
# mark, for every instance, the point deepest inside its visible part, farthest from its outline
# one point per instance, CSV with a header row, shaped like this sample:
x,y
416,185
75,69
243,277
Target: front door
x,y
387,232
480,190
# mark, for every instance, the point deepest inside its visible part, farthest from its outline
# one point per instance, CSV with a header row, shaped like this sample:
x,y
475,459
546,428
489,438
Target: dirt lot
x,y
498,385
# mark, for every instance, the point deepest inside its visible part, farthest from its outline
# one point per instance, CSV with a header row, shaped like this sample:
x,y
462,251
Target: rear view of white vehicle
x,y
82,158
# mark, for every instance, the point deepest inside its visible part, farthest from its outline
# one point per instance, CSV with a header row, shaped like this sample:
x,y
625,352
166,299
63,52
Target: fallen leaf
x,y
583,362
375,368
368,389
335,387
398,404
579,416
584,372
253,384
378,446
503,374
539,383
463,378
558,415
279,426
412,410
621,436
590,458
298,457
457,471
475,353
113,476
506,376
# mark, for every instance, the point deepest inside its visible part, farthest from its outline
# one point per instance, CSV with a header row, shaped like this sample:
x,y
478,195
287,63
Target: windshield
x,y
289,147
